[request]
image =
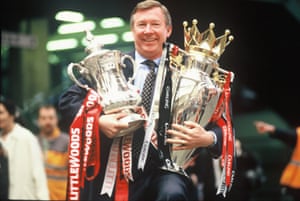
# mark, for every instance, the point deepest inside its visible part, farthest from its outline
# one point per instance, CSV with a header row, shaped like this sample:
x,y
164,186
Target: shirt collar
x,y
139,59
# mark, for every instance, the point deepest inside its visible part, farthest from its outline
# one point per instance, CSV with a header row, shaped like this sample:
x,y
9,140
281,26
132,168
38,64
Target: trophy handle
x,y
73,77
130,79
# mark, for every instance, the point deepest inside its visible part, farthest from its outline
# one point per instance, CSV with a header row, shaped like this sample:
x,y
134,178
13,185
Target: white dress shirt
x,y
142,71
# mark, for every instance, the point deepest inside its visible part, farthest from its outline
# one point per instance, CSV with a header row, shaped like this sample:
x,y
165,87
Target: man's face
x,y
150,32
47,120
5,118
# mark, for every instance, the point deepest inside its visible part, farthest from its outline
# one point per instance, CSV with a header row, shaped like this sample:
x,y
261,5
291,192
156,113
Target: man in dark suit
x,y
151,26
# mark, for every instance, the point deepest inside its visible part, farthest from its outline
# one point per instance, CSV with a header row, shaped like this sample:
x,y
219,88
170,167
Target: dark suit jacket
x,y
70,102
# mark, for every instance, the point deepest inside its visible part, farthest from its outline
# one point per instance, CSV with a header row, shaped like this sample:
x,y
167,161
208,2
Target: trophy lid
x,y
94,45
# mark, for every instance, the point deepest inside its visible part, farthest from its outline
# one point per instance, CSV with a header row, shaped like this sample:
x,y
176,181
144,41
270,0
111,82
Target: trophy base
x,y
173,167
134,121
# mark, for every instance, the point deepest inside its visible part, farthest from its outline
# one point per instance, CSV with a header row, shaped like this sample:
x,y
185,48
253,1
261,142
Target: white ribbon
x,y
111,169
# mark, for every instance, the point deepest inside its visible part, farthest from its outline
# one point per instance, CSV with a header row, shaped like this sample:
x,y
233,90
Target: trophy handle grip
x,y
130,79
73,77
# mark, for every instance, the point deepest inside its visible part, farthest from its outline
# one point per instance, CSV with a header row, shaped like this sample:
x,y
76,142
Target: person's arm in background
x,y
289,137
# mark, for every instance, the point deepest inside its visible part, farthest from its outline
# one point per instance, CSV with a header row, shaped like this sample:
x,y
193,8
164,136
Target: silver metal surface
x,y
104,71
196,92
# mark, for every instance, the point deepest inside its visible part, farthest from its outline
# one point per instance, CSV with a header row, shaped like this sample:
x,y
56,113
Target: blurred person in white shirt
x,y
27,177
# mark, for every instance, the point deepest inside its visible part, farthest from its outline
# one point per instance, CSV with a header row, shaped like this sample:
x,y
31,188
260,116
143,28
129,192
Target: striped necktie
x,y
148,85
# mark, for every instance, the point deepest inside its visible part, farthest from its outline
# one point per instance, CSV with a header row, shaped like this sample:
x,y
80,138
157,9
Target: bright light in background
x,y
112,22
62,44
53,59
69,16
103,39
127,36
76,27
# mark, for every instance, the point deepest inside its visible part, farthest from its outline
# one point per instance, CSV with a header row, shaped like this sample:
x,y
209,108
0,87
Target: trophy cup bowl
x,y
198,84
195,97
103,69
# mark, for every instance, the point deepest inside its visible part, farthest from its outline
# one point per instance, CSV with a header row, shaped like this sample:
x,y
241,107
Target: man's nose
x,y
148,28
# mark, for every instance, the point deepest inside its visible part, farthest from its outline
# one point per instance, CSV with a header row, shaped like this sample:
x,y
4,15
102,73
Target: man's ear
x,y
169,31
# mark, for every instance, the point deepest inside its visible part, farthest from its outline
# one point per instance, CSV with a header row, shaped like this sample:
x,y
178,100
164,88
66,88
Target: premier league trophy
x,y
102,68
197,82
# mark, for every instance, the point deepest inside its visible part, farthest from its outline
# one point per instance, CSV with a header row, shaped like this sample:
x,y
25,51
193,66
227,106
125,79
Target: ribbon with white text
x,y
84,146
114,178
222,116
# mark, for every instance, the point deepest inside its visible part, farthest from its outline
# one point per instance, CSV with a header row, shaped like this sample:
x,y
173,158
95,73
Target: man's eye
x,y
156,24
141,25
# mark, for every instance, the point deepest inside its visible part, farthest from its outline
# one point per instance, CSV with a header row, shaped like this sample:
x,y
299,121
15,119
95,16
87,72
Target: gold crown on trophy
x,y
205,43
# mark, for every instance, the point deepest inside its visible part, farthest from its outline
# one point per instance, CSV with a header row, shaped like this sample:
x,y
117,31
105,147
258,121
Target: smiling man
x,y
151,26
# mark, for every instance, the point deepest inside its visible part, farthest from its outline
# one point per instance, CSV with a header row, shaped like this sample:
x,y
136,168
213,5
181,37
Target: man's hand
x,y
110,123
188,136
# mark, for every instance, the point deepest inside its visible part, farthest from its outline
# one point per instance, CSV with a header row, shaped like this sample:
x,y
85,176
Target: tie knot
x,y
150,63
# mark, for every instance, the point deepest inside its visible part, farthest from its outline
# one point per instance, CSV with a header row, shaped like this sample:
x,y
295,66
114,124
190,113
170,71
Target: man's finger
x,y
113,111
177,134
180,128
176,141
121,115
190,124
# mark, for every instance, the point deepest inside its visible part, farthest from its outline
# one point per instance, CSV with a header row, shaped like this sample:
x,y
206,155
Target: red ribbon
x,y
122,187
84,146
230,134
223,108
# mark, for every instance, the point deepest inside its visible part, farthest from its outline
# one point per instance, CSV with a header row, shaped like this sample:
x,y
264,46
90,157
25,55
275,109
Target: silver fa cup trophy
x,y
197,81
103,69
